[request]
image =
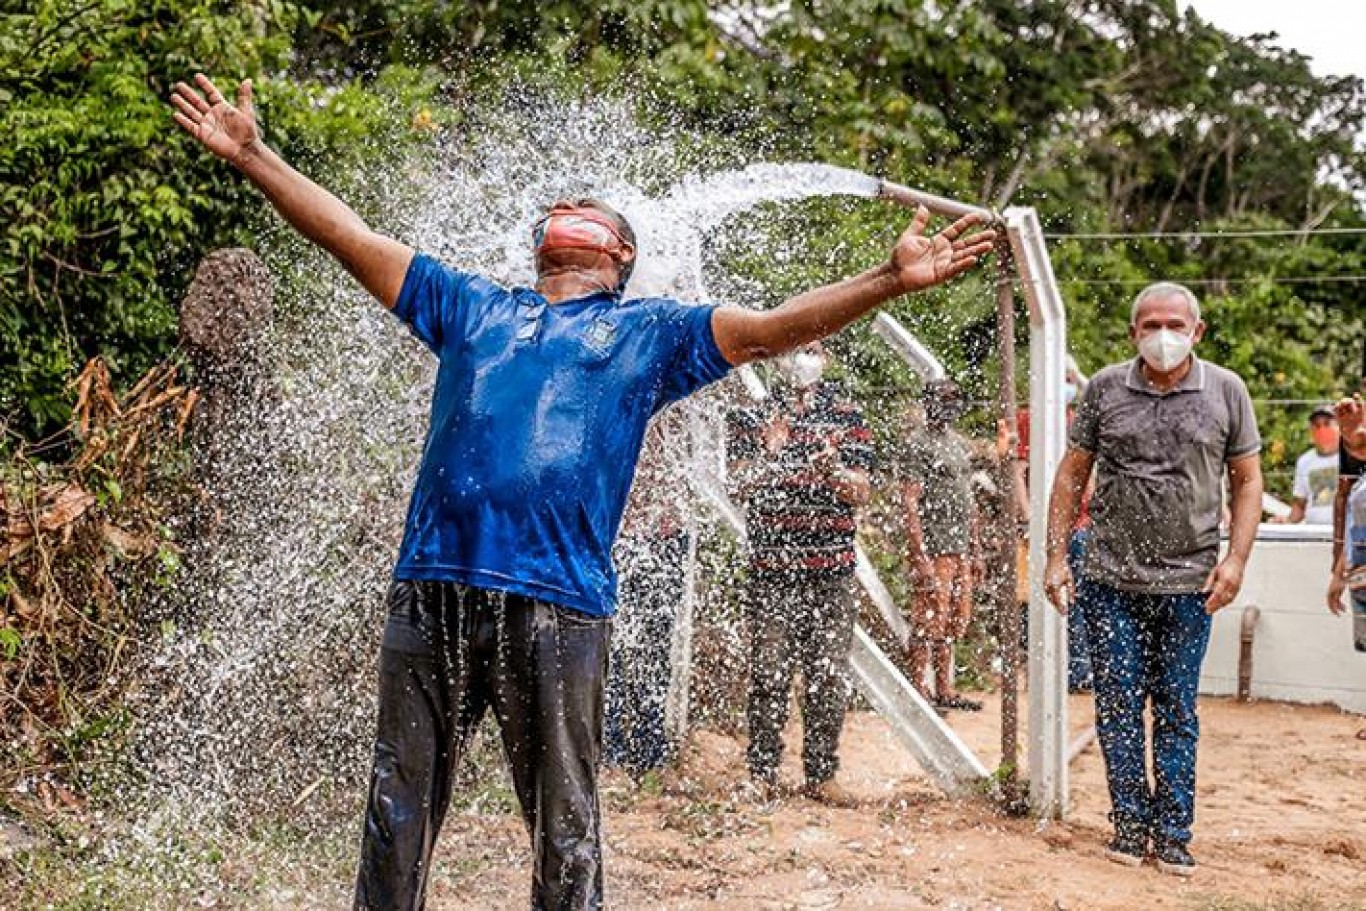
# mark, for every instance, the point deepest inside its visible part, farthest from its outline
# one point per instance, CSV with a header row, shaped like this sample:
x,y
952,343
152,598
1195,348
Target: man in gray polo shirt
x,y
1160,431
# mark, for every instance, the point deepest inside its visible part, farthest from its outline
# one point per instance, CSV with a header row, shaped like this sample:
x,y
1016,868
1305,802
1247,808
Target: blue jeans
x,y
1078,650
1147,647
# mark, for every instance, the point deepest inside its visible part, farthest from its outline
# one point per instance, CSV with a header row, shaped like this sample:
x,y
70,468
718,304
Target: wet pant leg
x,y
547,676
432,695
651,590
646,672
827,628
1358,603
1181,635
771,610
1078,649
1121,639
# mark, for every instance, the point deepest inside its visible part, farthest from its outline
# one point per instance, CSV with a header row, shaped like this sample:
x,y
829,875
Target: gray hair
x,y
1165,289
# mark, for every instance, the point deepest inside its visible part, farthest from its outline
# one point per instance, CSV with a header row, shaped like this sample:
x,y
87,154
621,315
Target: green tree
x,y
105,207
101,209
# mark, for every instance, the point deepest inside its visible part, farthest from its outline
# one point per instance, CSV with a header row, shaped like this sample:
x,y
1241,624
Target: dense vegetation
x,y
1108,115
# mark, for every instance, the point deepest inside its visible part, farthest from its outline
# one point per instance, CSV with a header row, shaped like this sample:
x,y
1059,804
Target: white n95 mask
x,y
1165,350
806,369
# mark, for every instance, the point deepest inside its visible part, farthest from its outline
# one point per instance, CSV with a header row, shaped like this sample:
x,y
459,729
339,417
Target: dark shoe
x,y
1173,858
1127,849
760,789
962,703
830,794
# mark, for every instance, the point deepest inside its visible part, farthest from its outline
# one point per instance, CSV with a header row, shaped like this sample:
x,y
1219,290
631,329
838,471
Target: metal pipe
x,y
1251,614
905,196
920,358
1008,633
1047,673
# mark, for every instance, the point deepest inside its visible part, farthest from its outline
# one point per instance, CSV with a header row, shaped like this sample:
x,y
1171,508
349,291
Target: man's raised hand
x,y
1351,415
227,131
923,262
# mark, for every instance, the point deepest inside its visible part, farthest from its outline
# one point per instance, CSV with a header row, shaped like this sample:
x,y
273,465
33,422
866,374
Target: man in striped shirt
x,y
804,471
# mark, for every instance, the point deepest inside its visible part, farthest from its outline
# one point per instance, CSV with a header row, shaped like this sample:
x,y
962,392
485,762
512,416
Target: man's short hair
x,y
1322,411
1165,289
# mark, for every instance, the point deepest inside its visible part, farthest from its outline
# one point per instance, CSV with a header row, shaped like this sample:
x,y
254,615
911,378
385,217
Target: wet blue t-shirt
x,y
537,420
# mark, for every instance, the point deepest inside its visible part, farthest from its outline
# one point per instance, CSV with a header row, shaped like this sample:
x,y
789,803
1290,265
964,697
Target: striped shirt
x,y
796,521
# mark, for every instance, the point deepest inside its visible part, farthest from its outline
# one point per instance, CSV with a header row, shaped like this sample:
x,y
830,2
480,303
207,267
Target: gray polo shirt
x,y
1160,461
942,465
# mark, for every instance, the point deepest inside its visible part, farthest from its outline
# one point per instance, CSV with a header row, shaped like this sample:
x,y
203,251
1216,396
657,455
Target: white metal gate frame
x,y
1048,728
1033,271
943,755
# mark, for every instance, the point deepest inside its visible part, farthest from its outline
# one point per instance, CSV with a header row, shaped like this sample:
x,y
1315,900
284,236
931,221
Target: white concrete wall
x,y
1301,652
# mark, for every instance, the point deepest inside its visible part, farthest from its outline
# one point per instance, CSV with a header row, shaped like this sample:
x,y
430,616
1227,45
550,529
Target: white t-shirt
x,y
1316,482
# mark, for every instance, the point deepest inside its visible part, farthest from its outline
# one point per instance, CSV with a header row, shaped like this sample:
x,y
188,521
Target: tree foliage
x,y
104,206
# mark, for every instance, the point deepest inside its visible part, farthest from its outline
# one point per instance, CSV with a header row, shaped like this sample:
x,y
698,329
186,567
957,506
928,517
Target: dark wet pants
x,y
450,653
798,622
1147,648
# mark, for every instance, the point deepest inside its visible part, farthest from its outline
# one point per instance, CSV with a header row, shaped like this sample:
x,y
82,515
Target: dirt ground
x,y
1281,824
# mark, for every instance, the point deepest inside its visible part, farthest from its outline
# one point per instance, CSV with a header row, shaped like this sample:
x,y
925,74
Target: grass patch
x,y
146,867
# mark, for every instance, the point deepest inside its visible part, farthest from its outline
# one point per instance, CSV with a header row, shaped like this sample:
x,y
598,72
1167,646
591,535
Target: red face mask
x,y
577,229
1325,438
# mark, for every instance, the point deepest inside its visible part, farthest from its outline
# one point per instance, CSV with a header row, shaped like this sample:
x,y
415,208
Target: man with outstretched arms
x,y
504,588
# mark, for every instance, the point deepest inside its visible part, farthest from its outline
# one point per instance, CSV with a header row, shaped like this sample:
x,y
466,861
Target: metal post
x,y
1246,636
1008,623
1081,744
1048,733
916,355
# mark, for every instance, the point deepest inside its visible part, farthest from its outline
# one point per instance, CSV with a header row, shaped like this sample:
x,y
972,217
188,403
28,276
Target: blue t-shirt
x,y
537,420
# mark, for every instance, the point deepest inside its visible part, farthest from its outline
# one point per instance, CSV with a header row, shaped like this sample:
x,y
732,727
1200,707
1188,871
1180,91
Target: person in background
x,y
1078,650
993,526
1349,566
803,469
1074,384
1161,431
651,554
1350,467
1316,472
934,473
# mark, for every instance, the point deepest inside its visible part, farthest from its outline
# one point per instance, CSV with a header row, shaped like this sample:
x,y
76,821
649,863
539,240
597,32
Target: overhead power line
x,y
1266,279
1193,235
